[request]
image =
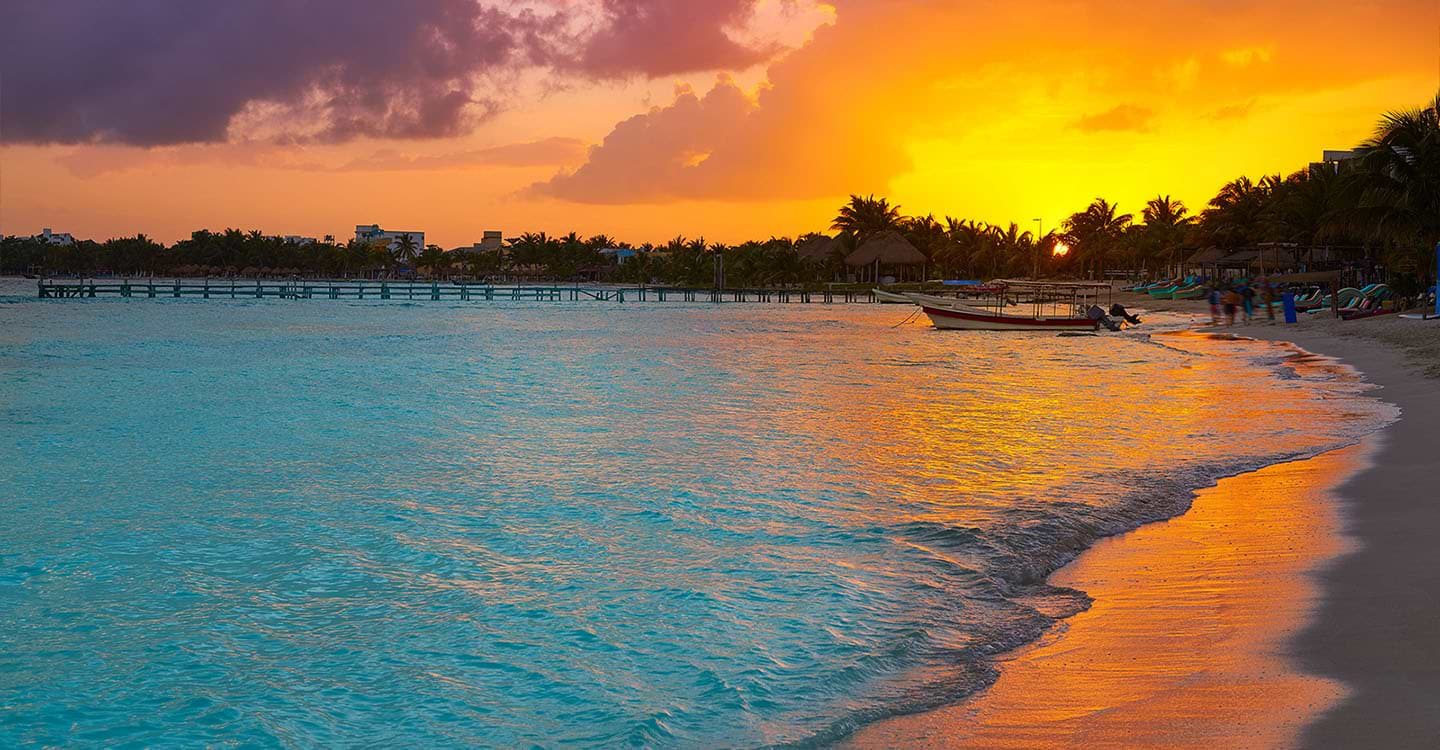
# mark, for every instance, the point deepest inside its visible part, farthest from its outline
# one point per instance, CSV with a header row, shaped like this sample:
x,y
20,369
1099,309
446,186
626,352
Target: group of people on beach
x,y
1239,296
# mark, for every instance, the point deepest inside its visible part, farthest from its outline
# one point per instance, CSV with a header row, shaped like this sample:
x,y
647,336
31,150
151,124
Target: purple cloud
x,y
645,37
158,72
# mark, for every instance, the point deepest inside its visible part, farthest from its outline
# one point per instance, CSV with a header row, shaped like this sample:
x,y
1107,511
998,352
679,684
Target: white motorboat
x,y
1053,306
891,298
962,317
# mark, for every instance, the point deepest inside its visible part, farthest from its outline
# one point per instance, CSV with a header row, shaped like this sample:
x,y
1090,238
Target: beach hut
x,y
1204,261
887,251
1258,259
1272,259
820,248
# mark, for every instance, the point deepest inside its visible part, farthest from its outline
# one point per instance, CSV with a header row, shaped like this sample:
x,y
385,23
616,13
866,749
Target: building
x,y
493,240
618,254
1330,159
54,238
373,233
292,238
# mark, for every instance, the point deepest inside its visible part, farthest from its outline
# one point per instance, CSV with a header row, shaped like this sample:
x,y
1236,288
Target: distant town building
x,y
620,254
54,238
493,240
373,233
293,238
1330,159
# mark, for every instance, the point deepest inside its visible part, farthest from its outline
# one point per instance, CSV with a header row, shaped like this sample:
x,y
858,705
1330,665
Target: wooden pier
x,y
455,291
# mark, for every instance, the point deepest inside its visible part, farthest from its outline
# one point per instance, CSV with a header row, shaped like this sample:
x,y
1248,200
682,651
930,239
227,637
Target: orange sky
x,y
993,111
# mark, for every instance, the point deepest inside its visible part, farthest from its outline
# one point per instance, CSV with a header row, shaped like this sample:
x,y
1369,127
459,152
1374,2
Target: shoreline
x,y
1378,623
1334,674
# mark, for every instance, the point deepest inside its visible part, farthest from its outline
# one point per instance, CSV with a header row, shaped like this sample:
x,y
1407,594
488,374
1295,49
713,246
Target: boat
x,y
1054,306
960,318
891,298
916,298
1193,292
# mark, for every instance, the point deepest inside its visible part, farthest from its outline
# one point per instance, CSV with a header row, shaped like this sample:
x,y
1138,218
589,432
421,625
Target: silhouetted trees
x,y
1385,200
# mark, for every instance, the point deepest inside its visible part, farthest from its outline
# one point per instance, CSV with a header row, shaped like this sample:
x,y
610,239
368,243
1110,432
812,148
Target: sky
x,y
647,119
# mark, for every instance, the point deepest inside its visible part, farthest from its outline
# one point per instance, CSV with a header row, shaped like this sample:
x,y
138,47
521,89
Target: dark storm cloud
x,y
155,72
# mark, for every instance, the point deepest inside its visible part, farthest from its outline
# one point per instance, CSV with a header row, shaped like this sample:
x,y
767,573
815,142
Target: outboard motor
x,y
1098,315
1118,310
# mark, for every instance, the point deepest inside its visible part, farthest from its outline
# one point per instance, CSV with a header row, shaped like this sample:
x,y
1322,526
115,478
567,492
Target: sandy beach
x,y
1378,622
1294,606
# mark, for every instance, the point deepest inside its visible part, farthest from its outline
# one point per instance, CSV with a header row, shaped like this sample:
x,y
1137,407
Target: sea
x,y
328,523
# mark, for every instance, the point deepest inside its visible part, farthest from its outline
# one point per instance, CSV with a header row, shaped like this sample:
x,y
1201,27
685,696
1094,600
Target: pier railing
x,y
435,291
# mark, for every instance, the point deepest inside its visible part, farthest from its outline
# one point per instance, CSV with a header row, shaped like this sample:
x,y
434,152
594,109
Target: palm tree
x,y
1164,211
1236,215
528,250
863,218
1166,223
434,259
406,251
1094,232
1015,248
1397,172
967,252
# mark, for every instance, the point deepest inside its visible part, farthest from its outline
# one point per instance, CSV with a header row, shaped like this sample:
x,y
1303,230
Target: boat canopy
x,y
1031,284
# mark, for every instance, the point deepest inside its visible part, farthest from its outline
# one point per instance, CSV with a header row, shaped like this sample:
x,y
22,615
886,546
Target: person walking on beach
x,y
1247,300
1230,300
1267,298
1215,305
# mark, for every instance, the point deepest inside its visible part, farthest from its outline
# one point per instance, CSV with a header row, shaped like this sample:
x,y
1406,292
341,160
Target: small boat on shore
x,y
1054,306
958,317
891,298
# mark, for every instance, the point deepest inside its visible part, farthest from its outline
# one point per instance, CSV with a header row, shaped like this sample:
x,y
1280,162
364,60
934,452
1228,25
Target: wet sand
x,y
1298,605
1378,627
1184,646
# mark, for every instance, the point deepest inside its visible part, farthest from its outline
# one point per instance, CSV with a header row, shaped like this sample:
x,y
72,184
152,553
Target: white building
x,y
373,233
54,238
292,238
1330,160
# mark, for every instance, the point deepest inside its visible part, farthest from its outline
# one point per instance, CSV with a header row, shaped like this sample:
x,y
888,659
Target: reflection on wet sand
x,y
1185,644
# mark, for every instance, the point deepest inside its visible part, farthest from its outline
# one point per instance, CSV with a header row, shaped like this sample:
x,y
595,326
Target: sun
x,y
1060,250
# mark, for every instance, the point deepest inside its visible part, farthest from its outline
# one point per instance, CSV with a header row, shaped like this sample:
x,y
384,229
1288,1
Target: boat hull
x,y
953,319
1194,292
949,303
891,298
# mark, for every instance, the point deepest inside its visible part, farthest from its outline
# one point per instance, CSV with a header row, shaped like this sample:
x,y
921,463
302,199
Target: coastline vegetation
x,y
1382,207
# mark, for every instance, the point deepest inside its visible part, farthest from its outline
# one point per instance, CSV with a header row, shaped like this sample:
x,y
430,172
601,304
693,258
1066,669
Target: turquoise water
x,y
295,524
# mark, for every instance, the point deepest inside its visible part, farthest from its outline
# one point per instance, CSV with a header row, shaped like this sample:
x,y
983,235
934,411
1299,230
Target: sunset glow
x,y
865,374
748,118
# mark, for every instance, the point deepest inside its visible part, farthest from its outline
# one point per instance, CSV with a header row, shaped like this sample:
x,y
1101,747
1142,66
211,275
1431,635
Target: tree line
x,y
1383,205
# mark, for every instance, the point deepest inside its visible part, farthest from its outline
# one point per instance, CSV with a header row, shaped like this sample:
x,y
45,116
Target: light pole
x,y
1039,232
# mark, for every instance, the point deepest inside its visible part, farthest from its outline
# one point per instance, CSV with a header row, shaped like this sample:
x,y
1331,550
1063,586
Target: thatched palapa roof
x,y
1271,258
1207,255
820,247
889,248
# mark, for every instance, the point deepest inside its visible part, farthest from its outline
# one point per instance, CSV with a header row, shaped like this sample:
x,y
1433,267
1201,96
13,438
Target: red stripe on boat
x,y
1075,322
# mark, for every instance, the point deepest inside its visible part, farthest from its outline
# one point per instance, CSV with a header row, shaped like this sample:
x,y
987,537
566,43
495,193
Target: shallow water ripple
x,y
286,524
